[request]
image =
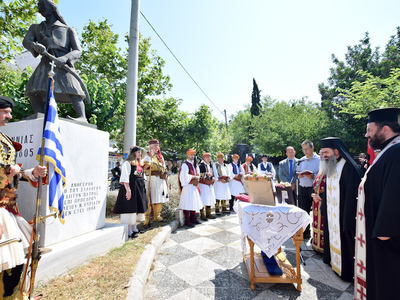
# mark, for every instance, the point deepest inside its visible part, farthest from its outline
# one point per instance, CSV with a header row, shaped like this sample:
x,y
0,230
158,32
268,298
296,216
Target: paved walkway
x,y
205,262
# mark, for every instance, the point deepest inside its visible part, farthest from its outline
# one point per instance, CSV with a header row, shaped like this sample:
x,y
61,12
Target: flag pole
x,y
35,254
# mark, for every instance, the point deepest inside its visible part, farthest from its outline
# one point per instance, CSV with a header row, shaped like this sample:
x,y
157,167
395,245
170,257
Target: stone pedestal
x,y
86,161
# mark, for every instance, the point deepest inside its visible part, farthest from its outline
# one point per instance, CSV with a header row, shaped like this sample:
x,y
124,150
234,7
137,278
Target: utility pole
x,y
132,80
226,121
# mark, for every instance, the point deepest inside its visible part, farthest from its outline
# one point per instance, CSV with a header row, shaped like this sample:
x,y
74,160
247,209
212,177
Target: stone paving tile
x,y
182,235
224,225
195,270
224,237
225,256
202,245
172,255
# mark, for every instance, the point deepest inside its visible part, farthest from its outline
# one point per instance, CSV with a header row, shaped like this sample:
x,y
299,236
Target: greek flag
x,y
53,153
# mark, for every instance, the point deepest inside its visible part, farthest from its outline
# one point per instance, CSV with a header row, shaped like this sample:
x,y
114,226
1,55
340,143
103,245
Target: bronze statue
x,y
57,42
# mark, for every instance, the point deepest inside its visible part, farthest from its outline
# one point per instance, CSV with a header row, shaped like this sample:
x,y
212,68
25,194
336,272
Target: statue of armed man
x,y
57,42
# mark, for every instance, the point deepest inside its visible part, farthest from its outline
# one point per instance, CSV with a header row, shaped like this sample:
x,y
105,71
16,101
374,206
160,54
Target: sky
x,y
286,46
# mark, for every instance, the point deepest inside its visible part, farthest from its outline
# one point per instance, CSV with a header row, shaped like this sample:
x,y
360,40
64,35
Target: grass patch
x,y
107,277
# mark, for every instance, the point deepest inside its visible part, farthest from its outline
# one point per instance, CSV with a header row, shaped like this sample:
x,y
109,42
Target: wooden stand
x,y
258,271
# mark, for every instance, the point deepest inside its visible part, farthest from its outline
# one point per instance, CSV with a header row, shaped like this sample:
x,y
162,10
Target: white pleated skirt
x,y
222,191
190,198
207,194
14,226
236,187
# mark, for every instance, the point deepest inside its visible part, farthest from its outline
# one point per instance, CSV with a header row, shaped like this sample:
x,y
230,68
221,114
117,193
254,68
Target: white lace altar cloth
x,y
269,226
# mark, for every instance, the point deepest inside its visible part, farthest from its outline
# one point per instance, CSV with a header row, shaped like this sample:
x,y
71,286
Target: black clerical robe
x,y
382,217
348,184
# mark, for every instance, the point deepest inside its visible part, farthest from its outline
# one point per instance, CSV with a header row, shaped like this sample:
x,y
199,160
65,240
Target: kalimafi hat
x,y
389,114
235,156
220,155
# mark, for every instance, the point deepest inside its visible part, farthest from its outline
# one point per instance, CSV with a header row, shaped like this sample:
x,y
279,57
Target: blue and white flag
x,y
53,153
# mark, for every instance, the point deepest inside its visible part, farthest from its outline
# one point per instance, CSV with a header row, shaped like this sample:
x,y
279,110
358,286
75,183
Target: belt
x,y
8,198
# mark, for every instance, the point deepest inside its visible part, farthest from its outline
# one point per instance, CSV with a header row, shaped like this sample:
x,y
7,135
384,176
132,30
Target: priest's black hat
x,y
337,143
6,102
389,114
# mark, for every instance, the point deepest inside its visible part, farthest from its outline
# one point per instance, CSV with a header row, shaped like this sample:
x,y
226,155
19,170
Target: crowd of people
x,y
353,203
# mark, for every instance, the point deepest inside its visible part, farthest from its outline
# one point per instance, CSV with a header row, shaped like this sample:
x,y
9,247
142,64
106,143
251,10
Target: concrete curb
x,y
142,270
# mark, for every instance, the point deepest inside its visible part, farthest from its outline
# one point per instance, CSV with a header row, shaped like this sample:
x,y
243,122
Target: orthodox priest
x,y
378,222
339,206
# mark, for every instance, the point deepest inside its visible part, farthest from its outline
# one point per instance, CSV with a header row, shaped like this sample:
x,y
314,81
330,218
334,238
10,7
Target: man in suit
x,y
287,167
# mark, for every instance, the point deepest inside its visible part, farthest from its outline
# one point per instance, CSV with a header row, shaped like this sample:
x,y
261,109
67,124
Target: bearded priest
x,y
339,206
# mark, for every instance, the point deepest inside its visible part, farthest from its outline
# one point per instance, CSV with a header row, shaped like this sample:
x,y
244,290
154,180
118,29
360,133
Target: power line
x,y
181,64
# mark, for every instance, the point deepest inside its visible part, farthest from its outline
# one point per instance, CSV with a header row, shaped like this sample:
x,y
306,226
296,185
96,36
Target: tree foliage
x,y
361,61
255,100
12,85
279,125
375,92
15,18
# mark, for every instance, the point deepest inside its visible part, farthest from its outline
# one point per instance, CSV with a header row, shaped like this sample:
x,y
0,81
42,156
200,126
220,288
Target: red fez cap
x,y
220,155
206,154
190,151
154,141
235,156
249,158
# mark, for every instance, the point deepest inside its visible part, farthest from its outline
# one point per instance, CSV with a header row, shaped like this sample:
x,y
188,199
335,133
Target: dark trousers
x,y
305,202
11,280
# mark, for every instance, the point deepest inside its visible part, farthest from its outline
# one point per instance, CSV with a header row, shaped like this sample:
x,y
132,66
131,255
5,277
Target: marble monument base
x,y
86,163
75,252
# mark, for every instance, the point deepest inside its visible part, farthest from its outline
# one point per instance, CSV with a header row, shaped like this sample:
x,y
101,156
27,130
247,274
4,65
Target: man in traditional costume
x,y
236,185
206,186
306,172
154,165
12,256
378,223
190,200
249,167
339,210
266,167
221,185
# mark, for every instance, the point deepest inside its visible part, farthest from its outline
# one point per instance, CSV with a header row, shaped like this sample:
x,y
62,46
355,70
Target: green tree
x,y
161,119
241,129
255,100
375,92
358,57
15,18
12,85
287,123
